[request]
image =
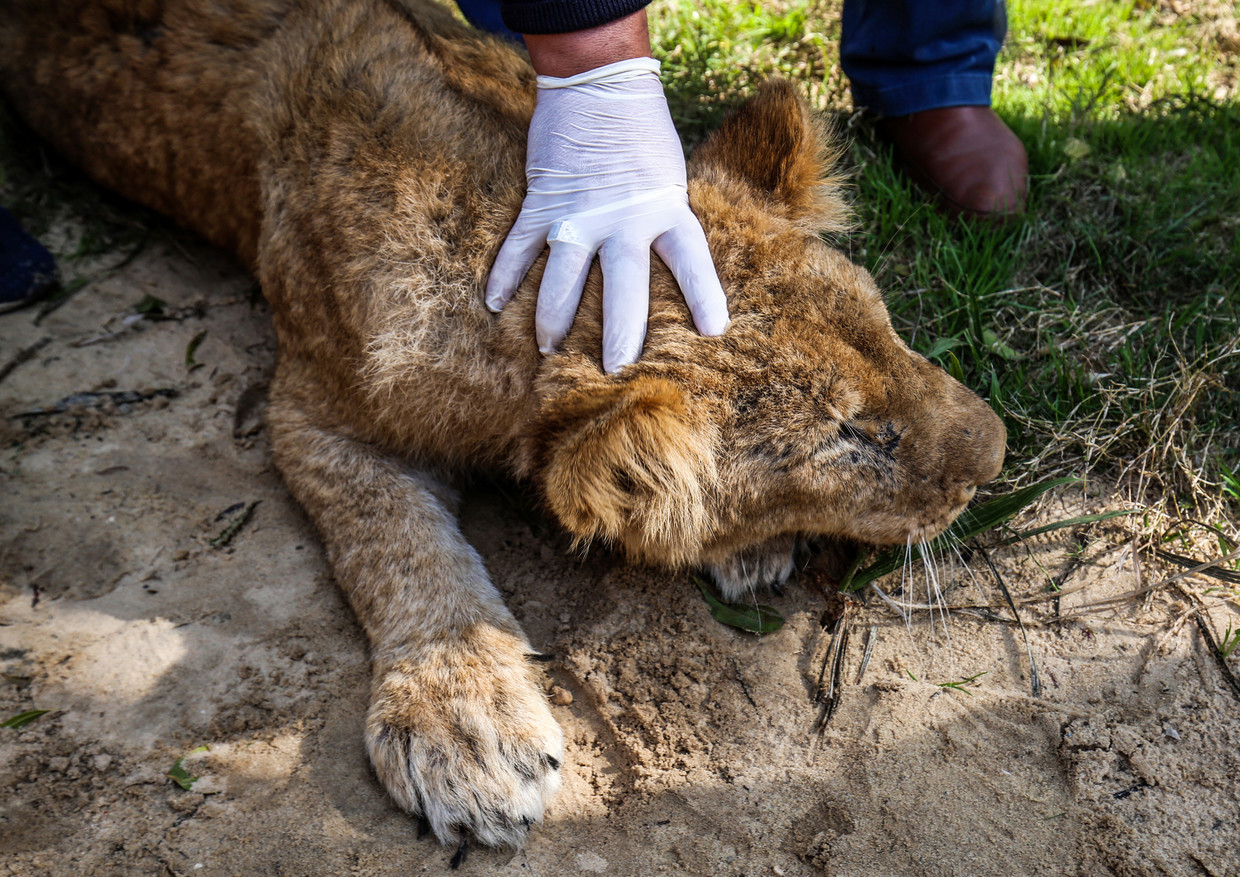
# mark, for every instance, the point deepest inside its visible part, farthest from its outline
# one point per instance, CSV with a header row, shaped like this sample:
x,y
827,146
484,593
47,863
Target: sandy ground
x,y
691,747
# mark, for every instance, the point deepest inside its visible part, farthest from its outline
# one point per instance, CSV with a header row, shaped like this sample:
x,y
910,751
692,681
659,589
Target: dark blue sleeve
x,y
565,16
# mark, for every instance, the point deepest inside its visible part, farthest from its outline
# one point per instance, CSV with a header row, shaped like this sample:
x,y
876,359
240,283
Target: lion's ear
x,y
628,463
774,145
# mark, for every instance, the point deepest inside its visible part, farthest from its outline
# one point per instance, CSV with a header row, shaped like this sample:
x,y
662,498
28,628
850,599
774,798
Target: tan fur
x,y
365,158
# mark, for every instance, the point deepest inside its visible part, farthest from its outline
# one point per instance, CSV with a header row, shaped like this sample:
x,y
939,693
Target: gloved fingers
x,y
560,293
626,300
683,248
522,246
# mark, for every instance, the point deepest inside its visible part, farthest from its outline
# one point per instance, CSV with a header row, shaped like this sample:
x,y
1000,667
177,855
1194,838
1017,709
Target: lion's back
x,y
365,158
176,103
393,165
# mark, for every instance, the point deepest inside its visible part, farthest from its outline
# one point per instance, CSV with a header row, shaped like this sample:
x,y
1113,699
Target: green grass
x,y
1105,326
963,684
714,52
1229,644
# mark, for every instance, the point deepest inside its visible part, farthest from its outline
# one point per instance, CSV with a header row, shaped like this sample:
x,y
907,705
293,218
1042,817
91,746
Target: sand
x,y
691,747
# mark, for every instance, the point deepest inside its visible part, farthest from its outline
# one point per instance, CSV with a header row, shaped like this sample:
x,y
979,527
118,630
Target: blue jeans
x,y
484,15
27,269
901,56
905,56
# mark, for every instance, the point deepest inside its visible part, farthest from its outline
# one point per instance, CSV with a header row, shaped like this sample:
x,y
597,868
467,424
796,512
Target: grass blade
x,y
192,348
1223,575
972,522
832,672
21,720
1035,681
243,513
1216,652
1070,522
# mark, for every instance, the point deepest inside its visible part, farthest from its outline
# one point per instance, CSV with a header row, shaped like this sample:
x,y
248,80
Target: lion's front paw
x,y
461,734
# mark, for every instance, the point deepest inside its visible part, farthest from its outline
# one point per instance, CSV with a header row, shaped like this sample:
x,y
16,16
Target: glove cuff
x,y
608,74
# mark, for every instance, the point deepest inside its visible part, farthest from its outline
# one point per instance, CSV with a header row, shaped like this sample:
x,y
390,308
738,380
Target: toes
x,y
767,565
464,778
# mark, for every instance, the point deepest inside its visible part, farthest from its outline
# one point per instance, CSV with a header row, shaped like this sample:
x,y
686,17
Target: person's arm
x,y
566,54
606,175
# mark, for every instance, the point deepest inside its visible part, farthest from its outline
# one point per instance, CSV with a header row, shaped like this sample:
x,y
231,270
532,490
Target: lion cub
x,y
366,161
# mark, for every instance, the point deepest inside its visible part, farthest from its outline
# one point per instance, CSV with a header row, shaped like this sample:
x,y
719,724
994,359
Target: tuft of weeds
x,y
963,684
1229,643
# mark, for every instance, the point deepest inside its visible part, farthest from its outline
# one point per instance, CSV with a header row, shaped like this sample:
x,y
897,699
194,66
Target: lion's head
x,y
809,417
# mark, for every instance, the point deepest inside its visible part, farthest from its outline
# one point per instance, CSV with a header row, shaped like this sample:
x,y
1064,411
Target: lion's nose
x,y
973,441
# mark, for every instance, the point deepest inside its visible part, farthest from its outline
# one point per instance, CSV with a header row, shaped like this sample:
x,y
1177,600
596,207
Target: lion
x,y
365,159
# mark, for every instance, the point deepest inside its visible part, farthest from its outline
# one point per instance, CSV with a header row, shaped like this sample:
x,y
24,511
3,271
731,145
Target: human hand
x,y
606,175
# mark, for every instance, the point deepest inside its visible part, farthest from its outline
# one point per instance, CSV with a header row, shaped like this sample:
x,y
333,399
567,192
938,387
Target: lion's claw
x,y
462,850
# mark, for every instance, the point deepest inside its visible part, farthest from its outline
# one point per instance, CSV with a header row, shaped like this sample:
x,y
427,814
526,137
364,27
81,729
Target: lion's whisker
x,y
906,574
934,594
955,544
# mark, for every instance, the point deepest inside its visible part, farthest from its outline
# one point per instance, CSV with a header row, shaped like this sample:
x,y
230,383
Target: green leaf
x,y
179,775
753,618
192,348
151,305
942,346
1230,642
994,345
1231,481
1076,149
971,522
954,368
21,720
996,400
1000,509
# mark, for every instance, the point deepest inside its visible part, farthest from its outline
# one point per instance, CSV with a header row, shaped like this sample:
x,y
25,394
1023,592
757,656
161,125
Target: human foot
x,y
965,156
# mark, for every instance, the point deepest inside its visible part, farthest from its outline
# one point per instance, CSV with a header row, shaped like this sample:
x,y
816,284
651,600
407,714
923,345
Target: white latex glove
x,y
606,175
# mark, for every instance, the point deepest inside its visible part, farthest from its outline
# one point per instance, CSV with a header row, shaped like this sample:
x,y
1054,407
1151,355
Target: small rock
x,y
592,862
185,802
560,696
212,808
209,785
